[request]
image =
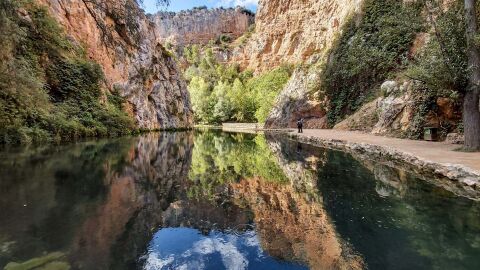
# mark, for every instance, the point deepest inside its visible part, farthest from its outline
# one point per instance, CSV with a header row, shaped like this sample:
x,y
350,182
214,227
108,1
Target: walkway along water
x,y
456,171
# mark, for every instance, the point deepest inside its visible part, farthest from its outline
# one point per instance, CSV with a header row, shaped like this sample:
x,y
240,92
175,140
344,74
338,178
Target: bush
x,y
444,71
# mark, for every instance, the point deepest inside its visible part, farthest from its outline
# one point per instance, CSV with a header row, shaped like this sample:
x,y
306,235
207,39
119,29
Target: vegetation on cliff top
x,y
222,93
50,90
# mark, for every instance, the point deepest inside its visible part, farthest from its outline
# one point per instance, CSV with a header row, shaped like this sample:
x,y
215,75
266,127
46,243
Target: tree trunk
x,y
471,108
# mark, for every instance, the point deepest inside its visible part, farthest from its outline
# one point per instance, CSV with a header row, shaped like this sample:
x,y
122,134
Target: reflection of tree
x,y
219,160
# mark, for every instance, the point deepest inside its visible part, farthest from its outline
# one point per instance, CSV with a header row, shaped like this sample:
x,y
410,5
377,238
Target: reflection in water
x,y
188,249
208,200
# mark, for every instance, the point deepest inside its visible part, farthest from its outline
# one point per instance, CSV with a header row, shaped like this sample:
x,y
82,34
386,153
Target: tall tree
x,y
471,108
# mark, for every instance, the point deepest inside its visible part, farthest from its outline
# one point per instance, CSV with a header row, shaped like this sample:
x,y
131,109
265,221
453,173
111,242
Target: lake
x,y
211,200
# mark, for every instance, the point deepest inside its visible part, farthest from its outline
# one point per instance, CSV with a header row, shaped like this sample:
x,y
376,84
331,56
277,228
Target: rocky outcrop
x,y
394,113
118,36
297,101
201,25
293,31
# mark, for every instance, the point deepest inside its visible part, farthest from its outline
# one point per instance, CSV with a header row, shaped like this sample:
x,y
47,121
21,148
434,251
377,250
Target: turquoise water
x,y
212,200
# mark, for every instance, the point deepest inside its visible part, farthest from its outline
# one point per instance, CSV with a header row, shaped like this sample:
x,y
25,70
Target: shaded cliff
x,y
119,37
201,25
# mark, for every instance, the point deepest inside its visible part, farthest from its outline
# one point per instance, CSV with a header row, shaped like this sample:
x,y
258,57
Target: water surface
x,y
212,200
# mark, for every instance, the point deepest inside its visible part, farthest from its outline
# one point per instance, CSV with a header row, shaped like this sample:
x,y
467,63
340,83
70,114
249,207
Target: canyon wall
x,y
346,81
119,37
291,31
201,25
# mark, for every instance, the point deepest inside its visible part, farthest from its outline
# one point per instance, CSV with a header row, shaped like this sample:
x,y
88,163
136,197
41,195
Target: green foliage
x,y
225,38
222,93
246,36
368,52
49,90
220,160
442,64
266,88
441,68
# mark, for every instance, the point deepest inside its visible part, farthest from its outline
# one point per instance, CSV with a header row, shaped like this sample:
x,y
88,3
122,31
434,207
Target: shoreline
x,y
459,179
456,177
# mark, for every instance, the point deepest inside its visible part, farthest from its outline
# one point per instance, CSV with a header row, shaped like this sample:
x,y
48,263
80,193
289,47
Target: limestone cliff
x,y
293,31
118,36
201,25
298,100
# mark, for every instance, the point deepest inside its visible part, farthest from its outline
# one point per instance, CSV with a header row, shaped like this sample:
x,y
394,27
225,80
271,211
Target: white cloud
x,y
243,3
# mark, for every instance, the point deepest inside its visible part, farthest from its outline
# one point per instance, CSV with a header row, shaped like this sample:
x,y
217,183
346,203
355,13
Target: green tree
x,y
223,109
266,88
471,108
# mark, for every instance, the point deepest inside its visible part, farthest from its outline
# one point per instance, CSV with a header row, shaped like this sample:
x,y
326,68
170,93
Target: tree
x,y
471,109
450,64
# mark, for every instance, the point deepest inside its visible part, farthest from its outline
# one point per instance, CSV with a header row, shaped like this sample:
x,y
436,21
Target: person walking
x,y
300,125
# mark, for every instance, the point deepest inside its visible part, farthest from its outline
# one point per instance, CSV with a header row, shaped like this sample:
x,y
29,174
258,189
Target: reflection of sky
x,y
150,6
183,248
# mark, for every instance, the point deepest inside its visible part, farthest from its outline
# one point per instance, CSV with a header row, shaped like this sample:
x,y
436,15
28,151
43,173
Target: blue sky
x,y
177,5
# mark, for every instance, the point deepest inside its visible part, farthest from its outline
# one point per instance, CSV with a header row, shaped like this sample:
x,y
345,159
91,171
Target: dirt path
x,y
437,152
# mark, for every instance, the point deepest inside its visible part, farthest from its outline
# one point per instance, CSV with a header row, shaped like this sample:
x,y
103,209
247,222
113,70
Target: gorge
x,y
112,155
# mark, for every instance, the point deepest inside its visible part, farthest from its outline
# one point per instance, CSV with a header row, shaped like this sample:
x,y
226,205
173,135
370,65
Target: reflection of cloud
x,y
154,262
196,255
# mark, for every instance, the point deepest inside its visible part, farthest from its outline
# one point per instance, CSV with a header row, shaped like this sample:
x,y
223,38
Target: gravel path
x,y
437,152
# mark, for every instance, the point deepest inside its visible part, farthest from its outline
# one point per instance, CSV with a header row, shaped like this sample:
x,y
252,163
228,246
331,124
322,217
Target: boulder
x,y
455,138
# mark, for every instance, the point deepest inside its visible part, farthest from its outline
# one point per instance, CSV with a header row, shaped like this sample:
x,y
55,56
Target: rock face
x,y
293,31
118,36
296,102
200,25
394,113
296,32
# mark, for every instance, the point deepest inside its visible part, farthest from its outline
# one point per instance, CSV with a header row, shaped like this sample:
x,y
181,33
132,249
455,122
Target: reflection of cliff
x,y
293,227
290,218
48,192
205,216
134,203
